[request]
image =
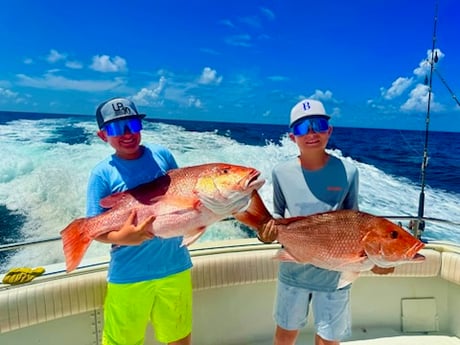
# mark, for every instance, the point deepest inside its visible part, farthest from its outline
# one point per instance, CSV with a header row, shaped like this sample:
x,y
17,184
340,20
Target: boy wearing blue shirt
x,y
149,277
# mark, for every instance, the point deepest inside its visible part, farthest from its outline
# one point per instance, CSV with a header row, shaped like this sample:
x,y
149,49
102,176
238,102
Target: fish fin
x,y
287,221
188,240
75,241
283,255
256,214
361,263
111,200
346,278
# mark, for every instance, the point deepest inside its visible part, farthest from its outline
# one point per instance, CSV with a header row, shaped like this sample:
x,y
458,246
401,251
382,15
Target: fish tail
x,y
75,241
256,214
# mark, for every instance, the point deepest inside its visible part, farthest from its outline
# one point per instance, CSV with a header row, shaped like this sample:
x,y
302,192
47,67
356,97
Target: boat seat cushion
x,y
450,268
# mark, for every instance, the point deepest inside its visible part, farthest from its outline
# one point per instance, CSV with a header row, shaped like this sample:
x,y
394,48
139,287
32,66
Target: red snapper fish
x,y
348,241
185,202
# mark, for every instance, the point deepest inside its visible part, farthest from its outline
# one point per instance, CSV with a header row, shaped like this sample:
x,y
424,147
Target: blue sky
x,y
242,61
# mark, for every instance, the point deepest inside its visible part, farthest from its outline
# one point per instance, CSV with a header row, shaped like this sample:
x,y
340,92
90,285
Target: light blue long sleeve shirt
x,y
300,192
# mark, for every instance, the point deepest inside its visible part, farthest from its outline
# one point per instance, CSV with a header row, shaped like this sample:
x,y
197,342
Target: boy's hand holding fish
x,y
131,233
267,233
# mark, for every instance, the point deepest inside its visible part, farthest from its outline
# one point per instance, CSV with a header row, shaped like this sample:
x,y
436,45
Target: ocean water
x,y
46,160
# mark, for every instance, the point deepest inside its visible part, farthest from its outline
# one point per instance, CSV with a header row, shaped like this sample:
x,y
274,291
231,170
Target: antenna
x,y
419,225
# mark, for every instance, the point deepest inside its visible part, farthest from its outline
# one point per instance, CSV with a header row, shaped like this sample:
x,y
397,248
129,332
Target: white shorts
x,y
331,310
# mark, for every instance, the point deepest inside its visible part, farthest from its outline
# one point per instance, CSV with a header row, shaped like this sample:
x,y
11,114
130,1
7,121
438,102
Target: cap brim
x,y
126,117
307,116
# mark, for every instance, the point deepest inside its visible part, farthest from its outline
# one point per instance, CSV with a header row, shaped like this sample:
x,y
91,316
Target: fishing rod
x,y
419,224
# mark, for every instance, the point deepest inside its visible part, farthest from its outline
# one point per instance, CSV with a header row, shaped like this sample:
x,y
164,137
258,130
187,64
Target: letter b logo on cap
x,y
306,106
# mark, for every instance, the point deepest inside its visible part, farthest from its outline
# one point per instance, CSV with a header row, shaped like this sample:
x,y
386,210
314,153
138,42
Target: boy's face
x,y
312,137
126,146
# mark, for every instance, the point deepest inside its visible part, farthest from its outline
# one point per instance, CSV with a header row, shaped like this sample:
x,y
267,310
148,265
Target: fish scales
x,y
184,202
343,240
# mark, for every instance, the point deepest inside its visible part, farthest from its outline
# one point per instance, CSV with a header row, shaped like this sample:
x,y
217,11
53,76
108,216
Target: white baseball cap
x,y
307,108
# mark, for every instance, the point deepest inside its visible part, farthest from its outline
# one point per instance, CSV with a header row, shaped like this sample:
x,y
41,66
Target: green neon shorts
x,y
165,302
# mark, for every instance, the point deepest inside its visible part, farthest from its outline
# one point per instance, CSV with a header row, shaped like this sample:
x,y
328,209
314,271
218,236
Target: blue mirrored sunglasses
x,y
317,124
119,127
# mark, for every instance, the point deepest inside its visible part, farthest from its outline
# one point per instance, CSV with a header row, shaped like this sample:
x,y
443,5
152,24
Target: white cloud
x,y
321,95
266,113
228,23
251,21
7,93
104,63
166,90
336,112
397,88
194,102
424,66
209,51
51,81
418,100
150,96
277,78
239,40
209,76
268,13
54,56
74,65
7,96
418,96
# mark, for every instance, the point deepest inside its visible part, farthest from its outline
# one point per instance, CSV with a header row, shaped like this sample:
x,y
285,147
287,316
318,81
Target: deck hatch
x,y
419,315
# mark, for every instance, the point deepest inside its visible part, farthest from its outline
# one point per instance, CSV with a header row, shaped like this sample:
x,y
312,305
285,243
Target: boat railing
x,y
396,218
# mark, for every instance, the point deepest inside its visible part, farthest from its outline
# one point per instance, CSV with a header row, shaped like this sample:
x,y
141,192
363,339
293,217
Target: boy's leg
x,y
172,312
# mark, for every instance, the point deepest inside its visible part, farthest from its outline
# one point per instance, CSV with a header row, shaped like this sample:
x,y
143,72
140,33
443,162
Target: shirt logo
x,y
334,188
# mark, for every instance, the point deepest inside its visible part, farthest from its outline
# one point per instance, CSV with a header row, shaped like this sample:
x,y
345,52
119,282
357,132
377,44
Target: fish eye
x,y
394,234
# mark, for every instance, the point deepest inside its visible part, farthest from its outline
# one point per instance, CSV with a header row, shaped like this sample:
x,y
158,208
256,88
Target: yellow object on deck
x,y
20,275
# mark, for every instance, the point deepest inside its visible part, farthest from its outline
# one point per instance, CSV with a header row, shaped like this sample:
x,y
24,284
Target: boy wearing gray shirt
x,y
311,183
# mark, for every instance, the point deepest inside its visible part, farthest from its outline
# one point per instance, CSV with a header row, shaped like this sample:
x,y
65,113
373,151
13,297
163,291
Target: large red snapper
x,y
185,202
347,240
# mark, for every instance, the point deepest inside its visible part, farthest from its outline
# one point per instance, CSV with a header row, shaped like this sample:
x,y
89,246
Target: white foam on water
x,y
46,181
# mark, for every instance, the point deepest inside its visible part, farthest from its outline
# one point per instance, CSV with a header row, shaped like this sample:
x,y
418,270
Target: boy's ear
x,y
101,134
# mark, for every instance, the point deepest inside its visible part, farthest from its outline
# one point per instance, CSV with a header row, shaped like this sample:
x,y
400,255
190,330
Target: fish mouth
x,y
254,181
418,257
413,251
411,255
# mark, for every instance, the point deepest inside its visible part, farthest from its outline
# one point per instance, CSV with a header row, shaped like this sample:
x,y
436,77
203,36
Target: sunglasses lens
x,y
318,125
301,128
116,128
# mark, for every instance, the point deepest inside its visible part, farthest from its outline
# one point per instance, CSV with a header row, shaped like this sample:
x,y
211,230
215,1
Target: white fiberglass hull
x,y
234,287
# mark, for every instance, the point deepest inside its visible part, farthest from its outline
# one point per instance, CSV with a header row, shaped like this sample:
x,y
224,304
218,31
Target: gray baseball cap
x,y
115,109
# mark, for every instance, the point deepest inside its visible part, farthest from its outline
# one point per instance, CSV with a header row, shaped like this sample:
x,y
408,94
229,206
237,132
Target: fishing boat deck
x,y
234,287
